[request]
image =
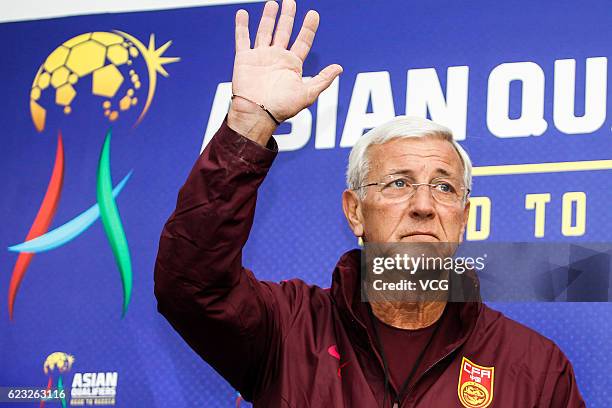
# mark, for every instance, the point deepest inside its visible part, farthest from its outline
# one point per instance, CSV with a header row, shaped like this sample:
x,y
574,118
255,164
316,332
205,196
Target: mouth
x,y
420,236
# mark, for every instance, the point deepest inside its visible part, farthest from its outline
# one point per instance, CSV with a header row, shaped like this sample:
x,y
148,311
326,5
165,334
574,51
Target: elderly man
x,y
296,345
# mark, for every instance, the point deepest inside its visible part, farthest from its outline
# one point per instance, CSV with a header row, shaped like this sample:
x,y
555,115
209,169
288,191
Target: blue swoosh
x,y
69,231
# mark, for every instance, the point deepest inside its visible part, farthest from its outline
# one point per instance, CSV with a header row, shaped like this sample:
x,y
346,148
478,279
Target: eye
x,y
445,188
397,183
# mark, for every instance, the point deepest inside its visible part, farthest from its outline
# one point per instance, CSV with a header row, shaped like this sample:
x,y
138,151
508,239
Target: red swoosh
x,y
333,351
41,224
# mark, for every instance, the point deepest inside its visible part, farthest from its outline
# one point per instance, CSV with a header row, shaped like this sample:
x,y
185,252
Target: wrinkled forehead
x,y
419,157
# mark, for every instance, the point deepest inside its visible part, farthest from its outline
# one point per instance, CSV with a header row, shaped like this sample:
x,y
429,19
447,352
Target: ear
x,y
466,215
351,205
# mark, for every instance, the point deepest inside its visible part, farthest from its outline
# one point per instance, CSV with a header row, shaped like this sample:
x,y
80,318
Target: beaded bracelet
x,y
261,106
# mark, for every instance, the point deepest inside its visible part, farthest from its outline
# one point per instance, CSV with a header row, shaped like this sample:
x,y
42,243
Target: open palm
x,y
269,74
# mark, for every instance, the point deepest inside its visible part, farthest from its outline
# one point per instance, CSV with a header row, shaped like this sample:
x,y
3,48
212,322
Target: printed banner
x,y
103,117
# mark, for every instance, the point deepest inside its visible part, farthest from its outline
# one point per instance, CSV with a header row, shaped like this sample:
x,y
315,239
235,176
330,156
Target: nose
x,y
421,204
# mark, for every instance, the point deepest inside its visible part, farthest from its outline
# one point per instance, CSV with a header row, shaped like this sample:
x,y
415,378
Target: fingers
x,y
304,40
285,24
266,24
322,81
243,41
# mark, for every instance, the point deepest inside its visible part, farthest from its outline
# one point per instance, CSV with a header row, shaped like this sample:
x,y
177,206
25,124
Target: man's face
x,y
419,218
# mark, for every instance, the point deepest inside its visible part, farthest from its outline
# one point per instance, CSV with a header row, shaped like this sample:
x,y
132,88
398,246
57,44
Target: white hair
x,y
399,127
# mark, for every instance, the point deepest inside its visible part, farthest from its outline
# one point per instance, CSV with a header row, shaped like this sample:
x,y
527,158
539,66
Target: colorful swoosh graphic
x,y
60,388
39,240
69,231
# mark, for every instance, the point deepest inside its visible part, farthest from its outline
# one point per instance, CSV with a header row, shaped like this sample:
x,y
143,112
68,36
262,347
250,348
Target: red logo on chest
x,y
333,351
475,387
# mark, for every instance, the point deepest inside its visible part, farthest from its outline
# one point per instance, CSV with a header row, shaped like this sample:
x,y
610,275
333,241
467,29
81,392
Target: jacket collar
x,y
346,294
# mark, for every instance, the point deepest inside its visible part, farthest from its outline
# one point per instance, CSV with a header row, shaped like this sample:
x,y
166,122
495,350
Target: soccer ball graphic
x,y
103,55
111,58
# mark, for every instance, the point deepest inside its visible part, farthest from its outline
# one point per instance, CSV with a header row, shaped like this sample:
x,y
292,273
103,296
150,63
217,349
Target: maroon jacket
x,y
291,344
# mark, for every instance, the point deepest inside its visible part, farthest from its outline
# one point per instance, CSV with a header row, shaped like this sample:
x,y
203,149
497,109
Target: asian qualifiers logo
x,y
113,63
61,363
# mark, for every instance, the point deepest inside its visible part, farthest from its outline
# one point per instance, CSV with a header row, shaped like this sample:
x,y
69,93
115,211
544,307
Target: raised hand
x,y
270,74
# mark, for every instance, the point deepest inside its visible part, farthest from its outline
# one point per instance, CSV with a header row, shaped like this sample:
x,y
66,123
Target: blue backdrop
x,y
70,297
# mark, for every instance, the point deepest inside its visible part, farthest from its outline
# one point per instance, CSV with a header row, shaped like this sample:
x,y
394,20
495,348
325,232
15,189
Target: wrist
x,y
251,121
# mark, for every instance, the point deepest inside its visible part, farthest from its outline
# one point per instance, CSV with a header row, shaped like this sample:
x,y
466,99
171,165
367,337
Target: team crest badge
x,y
475,385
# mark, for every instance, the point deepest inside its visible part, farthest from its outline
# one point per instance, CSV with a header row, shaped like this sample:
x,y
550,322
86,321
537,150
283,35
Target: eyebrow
x,y
438,172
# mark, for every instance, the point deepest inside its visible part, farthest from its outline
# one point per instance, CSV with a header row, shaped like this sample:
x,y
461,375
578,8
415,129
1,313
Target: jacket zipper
x,y
426,371
438,362
373,349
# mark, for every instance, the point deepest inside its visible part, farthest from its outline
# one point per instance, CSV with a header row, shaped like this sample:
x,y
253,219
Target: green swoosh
x,y
60,387
112,222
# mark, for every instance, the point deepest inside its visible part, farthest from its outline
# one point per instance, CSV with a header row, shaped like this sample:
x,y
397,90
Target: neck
x,y
408,315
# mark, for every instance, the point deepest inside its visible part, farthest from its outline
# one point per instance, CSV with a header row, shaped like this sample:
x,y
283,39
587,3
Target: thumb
x,y
322,81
